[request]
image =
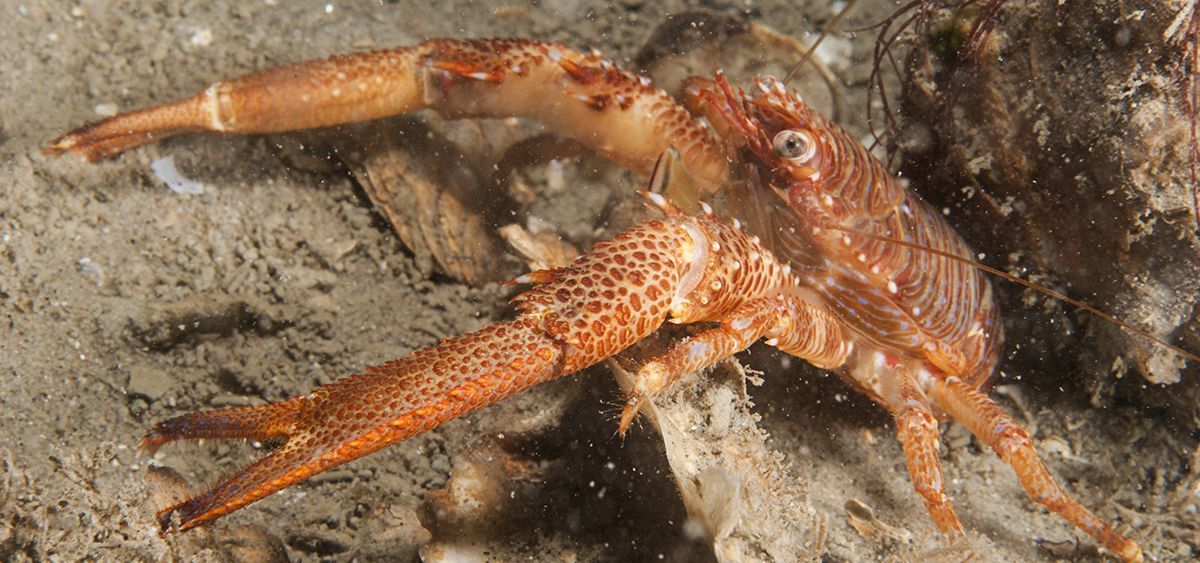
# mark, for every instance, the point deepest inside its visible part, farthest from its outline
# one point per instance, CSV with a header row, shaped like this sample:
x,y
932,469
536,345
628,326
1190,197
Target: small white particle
x,y
202,37
892,287
107,109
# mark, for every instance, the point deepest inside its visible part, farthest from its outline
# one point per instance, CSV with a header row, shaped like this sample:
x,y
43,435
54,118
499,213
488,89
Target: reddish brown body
x,y
816,277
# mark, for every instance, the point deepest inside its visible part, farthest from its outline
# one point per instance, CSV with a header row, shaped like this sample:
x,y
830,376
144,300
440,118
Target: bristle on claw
x,y
580,74
468,70
661,202
534,277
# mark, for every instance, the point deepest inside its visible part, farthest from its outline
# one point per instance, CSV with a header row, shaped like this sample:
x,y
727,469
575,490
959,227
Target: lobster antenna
x,y
1038,288
813,48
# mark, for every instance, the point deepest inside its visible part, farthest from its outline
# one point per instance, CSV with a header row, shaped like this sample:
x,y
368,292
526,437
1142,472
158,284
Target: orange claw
x,y
363,413
604,302
578,95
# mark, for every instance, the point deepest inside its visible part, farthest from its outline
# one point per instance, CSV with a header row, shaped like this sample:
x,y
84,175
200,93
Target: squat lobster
x,y
914,330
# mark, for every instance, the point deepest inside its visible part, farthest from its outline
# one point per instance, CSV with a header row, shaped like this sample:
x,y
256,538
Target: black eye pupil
x,y
792,144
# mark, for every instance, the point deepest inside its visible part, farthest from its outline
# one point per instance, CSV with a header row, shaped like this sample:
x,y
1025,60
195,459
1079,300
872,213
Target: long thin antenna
x,y
1019,281
813,48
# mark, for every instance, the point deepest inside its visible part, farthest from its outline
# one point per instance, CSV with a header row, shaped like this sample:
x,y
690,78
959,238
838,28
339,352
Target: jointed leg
x,y
791,324
1012,444
917,430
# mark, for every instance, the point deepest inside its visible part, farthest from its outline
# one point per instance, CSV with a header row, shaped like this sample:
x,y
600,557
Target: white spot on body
x,y
892,287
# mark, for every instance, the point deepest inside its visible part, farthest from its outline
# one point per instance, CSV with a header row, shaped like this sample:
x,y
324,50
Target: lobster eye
x,y
794,145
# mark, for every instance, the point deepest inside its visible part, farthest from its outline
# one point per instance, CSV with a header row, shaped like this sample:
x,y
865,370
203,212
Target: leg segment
x,y
917,430
1012,444
791,323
